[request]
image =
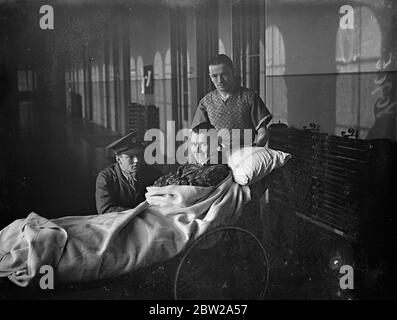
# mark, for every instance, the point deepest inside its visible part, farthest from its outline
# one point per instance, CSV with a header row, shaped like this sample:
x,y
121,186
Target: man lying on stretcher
x,y
178,209
206,168
208,165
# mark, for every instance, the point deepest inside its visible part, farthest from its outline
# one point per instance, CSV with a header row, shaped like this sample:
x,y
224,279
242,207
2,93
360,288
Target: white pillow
x,y
251,164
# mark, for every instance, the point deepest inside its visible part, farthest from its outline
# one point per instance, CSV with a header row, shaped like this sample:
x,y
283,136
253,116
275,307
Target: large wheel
x,y
225,263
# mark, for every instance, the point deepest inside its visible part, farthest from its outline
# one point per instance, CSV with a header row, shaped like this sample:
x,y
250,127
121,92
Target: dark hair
x,y
203,126
221,59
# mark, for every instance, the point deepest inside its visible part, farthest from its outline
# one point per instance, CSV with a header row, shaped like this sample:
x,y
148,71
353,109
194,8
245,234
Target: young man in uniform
x,y
122,185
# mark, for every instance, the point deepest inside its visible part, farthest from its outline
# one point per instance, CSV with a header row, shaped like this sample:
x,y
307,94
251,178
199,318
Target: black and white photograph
x,y
198,150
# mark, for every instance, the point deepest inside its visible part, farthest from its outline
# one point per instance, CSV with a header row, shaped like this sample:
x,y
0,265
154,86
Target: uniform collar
x,y
124,176
129,176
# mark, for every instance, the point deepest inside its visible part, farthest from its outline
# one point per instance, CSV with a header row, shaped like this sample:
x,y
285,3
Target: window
x,y
276,90
357,53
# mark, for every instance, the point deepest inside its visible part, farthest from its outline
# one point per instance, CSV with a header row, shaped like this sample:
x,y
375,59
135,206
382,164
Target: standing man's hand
x,y
262,136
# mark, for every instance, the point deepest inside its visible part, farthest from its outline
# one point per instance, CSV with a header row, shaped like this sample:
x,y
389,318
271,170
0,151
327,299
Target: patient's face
x,y
203,146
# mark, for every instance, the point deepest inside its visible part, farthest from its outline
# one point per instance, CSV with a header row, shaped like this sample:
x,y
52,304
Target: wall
x,y
310,71
319,73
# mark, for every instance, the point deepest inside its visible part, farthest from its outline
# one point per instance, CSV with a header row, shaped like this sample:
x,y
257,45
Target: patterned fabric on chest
x,y
235,113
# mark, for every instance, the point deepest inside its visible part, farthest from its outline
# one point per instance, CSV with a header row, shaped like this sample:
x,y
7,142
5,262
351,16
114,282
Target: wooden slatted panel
x,y
326,180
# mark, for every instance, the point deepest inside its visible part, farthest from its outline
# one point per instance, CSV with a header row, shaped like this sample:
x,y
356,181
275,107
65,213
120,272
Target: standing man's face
x,y
222,77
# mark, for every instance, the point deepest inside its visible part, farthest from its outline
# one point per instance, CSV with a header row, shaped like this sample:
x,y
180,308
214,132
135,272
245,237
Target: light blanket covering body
x,y
84,248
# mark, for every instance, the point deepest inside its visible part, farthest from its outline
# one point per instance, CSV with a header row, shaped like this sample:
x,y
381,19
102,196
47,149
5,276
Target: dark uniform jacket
x,y
114,193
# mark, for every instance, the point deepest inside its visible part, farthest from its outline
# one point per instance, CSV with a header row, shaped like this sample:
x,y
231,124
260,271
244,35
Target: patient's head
x,y
204,143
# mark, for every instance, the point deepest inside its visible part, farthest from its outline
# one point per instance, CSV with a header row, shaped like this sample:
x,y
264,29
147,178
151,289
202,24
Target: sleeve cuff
x,y
264,121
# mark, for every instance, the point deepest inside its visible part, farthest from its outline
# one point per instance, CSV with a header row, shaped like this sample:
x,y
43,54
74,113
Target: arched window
x,y
133,78
111,108
166,113
276,90
275,52
158,67
221,47
357,53
139,72
159,88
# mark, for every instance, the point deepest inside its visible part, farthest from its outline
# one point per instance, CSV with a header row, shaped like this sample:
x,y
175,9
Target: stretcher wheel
x,y
226,263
